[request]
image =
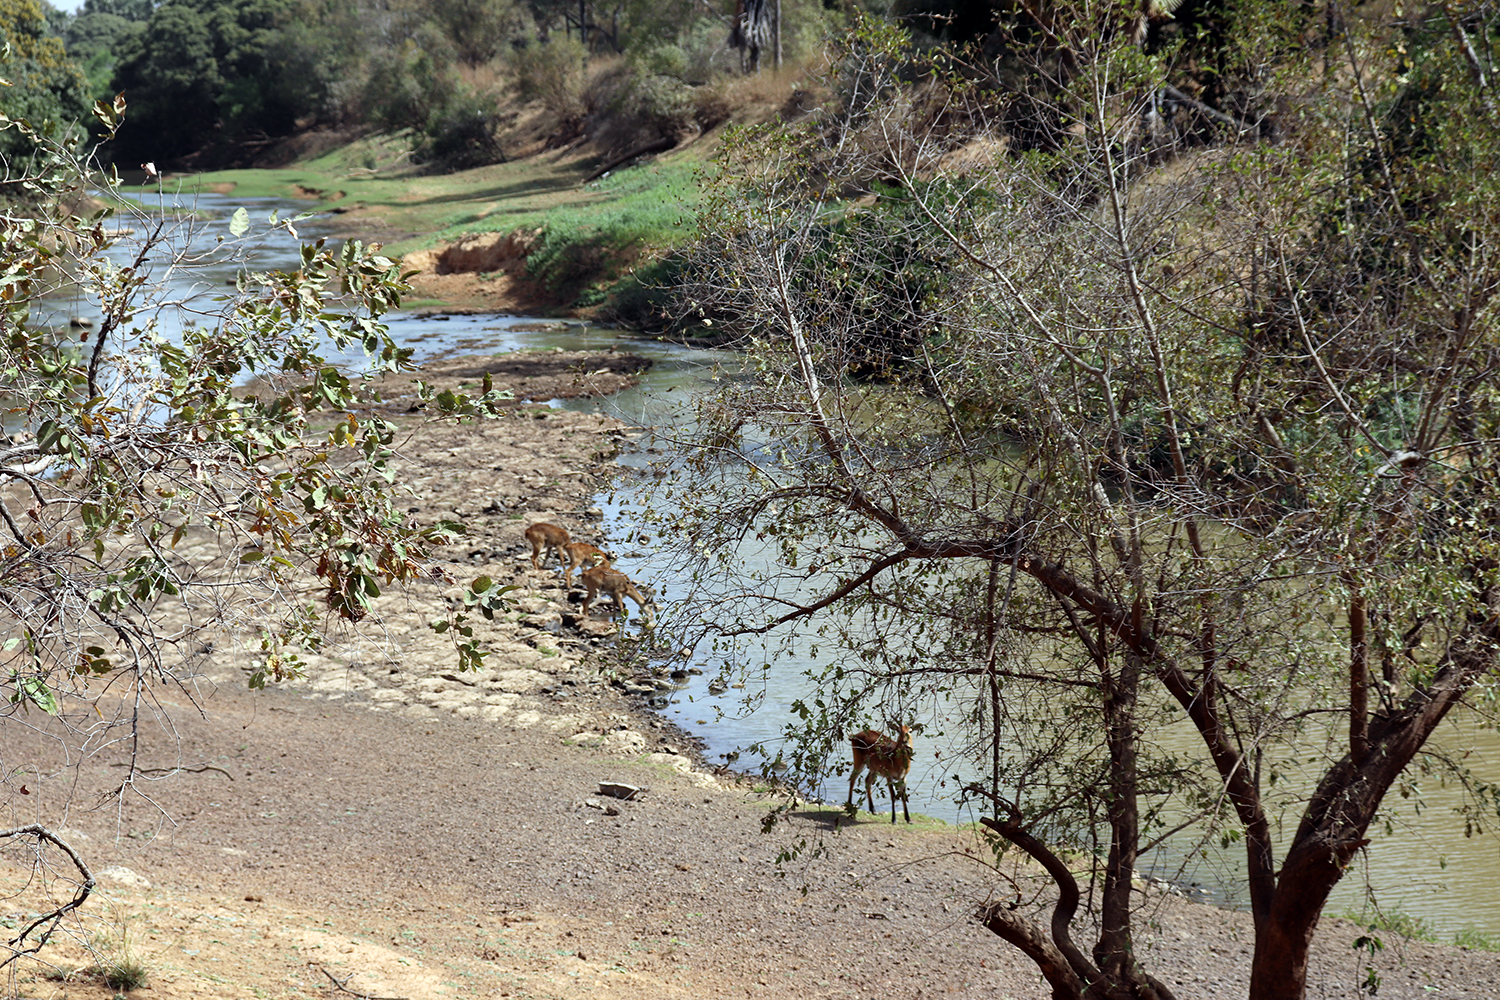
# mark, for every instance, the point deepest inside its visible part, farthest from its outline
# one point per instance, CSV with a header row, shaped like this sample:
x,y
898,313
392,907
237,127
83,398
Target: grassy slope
x,y
626,215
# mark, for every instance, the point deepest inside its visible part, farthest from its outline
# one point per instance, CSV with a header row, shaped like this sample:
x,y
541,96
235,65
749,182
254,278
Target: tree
x,y
161,491
202,71
752,31
1078,442
92,38
38,82
481,29
130,10
171,75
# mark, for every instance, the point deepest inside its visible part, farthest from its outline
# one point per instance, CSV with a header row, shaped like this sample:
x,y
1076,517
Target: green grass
x,y
118,965
590,234
1396,921
123,974
655,201
653,207
1476,940
1414,928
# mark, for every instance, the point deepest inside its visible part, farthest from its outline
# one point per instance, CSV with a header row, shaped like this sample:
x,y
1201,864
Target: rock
x,y
619,790
675,761
624,742
521,681
121,875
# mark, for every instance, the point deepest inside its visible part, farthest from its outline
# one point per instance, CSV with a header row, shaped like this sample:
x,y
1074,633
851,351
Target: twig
x,y
1204,109
339,985
175,770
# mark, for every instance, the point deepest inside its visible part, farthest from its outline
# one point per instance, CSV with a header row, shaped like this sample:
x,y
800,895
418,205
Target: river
x,y
1424,866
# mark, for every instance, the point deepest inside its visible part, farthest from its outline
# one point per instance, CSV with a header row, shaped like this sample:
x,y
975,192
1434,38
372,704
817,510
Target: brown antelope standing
x,y
881,757
603,579
581,554
548,538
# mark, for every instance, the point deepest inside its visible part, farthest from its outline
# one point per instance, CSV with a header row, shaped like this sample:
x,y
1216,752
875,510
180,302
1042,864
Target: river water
x,y
1424,866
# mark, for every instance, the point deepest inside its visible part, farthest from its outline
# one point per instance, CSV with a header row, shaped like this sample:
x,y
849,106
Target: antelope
x,y
581,554
881,757
612,582
548,538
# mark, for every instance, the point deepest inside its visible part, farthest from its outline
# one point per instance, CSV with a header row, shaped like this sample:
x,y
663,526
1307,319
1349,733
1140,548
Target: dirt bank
x,y
479,272
388,827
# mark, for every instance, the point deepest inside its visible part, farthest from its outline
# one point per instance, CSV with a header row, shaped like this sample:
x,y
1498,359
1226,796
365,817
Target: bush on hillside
x,y
464,135
696,56
554,73
481,29
407,87
627,109
645,299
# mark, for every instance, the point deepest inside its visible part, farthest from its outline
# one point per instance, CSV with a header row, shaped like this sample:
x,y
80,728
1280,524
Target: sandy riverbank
x,y
408,831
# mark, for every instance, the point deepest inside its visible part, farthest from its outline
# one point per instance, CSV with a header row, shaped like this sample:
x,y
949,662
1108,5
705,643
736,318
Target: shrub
x,y
627,108
644,299
553,73
464,134
407,87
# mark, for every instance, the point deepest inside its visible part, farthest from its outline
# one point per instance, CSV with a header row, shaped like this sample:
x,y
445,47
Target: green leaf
x,y
239,223
35,691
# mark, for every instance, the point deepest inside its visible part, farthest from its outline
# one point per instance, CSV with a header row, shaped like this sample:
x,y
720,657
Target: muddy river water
x,y
1419,863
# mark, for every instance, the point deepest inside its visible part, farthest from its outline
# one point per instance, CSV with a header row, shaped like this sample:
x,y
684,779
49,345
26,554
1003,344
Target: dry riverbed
x,y
388,827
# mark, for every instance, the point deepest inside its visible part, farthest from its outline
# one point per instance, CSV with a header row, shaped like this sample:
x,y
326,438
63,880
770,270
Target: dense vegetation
x,y
41,82
1103,384
219,78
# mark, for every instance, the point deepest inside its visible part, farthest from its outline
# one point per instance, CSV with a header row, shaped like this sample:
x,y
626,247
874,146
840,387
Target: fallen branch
x,y
175,770
338,984
655,146
1204,109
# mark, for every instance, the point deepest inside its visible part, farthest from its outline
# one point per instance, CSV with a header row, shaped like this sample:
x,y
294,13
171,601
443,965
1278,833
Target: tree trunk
x,y
1278,970
1339,813
1114,950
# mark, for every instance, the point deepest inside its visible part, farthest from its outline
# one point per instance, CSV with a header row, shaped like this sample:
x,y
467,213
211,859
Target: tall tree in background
x,y
482,29
203,71
130,10
752,31
1070,442
38,82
